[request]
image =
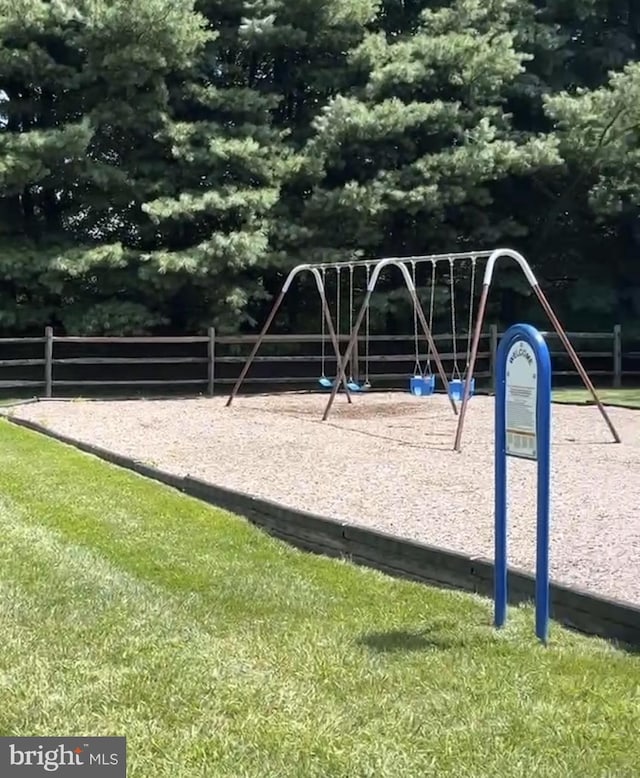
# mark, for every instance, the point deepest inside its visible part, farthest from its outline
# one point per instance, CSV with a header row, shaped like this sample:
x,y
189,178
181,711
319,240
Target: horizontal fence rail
x,y
203,362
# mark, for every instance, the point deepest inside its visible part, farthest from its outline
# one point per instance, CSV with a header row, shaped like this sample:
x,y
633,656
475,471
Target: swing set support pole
x,y
482,305
256,346
546,306
342,377
434,350
272,314
576,360
347,354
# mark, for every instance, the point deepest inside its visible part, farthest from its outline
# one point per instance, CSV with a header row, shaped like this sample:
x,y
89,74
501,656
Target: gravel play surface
x,y
386,462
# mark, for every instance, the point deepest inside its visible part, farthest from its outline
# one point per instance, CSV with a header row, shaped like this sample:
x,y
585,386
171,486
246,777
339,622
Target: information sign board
x,y
521,399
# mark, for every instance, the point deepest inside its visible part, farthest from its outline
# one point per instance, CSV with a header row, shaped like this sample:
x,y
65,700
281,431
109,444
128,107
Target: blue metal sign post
x,y
523,430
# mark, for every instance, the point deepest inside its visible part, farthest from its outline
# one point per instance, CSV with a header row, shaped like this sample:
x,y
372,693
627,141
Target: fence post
x,y
48,361
617,356
211,365
493,336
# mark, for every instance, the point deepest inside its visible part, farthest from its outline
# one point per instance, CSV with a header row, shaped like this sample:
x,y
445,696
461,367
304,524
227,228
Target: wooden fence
x,y
51,366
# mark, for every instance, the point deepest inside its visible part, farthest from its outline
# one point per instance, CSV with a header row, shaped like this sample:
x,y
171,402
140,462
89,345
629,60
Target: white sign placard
x,y
521,401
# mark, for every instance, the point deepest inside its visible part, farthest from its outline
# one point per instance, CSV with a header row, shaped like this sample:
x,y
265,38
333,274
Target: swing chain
x,y
366,333
431,310
471,305
322,324
454,335
351,318
338,290
417,368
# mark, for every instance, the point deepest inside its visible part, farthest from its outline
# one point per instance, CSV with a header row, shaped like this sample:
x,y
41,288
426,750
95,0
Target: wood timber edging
x,y
574,608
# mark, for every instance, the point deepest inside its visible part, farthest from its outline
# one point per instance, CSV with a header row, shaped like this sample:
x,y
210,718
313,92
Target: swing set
x,y
461,386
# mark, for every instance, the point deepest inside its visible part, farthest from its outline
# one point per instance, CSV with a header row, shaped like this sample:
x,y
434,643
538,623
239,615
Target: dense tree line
x,y
162,164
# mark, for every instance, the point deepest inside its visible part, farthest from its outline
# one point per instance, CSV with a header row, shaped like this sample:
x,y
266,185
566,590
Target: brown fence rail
x,y
51,365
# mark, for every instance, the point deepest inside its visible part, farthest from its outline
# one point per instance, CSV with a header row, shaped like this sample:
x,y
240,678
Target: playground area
x,y
221,651
386,462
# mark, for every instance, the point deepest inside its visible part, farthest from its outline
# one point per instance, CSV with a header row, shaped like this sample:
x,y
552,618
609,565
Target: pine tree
x,y
410,159
584,209
292,57
408,164
599,132
84,91
212,213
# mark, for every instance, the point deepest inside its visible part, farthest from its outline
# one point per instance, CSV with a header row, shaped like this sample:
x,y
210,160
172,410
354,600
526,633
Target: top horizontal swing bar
x,y
381,263
417,259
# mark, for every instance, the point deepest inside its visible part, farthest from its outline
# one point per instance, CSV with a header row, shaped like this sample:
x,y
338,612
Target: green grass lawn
x,y
128,609
630,397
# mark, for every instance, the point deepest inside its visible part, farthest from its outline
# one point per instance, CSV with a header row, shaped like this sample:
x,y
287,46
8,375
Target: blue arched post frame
x,y
531,336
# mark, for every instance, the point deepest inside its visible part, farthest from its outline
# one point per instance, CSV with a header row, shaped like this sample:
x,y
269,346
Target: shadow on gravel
x,y
426,444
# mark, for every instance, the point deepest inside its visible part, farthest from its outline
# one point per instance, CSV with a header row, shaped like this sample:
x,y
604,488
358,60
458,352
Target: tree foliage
x,y
163,164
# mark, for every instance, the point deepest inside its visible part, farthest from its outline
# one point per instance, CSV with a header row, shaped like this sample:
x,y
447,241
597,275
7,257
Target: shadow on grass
x,y
426,639
435,638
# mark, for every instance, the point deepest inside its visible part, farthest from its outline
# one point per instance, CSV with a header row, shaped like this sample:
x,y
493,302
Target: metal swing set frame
x,y
401,263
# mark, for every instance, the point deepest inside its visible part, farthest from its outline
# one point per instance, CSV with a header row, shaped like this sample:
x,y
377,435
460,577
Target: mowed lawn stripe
x,y
629,397
127,608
